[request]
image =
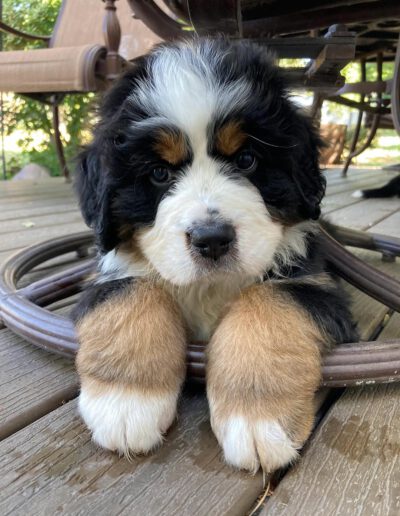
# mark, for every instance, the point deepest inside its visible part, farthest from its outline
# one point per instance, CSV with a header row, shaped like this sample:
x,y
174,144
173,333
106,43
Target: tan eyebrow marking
x,y
229,138
171,146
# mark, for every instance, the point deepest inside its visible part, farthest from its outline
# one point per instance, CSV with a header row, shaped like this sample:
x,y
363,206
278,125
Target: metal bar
x,y
19,33
372,281
377,117
396,90
357,129
363,106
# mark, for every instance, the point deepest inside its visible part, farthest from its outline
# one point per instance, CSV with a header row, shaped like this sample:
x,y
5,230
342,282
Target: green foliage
x,y
29,16
27,115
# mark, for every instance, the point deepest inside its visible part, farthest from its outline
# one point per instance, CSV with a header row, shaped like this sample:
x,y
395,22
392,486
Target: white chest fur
x,y
203,304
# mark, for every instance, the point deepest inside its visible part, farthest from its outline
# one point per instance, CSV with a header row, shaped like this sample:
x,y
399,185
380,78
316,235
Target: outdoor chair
x,y
91,43
379,100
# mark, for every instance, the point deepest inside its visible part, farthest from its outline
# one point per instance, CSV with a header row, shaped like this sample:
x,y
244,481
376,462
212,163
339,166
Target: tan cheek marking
x,y
135,340
229,138
264,361
171,147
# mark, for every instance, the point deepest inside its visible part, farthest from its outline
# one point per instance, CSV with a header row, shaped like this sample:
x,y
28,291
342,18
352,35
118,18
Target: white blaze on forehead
x,y
185,89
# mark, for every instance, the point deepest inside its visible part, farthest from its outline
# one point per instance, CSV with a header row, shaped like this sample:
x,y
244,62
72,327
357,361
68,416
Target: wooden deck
x,y
350,466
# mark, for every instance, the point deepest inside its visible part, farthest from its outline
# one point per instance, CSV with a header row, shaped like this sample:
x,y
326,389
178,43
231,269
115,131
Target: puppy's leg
x,y
131,364
263,370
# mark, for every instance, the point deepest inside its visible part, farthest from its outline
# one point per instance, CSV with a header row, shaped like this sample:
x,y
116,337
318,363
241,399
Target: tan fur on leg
x,y
263,370
132,364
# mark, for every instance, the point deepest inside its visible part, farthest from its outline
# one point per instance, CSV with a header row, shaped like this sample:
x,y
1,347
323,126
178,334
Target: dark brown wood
x,y
323,17
304,46
254,9
112,39
158,21
222,16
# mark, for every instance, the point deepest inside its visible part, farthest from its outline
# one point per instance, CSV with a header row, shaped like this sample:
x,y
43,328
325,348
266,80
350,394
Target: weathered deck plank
x,y
389,226
30,213
32,382
53,467
365,214
21,239
68,216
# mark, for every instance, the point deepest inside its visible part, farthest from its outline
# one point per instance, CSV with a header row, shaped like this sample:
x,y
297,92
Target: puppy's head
x,y
202,161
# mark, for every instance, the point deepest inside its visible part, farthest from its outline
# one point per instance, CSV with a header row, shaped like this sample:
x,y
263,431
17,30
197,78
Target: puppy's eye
x,y
246,161
161,175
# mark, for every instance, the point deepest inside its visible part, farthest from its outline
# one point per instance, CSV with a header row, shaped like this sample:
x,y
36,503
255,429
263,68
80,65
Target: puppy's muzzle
x,y
212,240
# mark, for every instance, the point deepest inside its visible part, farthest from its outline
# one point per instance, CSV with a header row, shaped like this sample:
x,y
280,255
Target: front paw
x,y
124,420
249,443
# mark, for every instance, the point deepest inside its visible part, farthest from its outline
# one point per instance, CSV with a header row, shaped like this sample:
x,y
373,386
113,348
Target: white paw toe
x,y
127,422
247,444
357,194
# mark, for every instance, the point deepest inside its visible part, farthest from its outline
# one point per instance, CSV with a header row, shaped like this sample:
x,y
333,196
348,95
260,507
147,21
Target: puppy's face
x,y
201,161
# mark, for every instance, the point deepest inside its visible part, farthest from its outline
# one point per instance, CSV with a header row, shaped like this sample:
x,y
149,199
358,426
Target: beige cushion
x,y
50,69
80,22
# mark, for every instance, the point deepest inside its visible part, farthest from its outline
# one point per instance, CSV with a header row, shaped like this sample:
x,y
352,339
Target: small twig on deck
x,y
267,492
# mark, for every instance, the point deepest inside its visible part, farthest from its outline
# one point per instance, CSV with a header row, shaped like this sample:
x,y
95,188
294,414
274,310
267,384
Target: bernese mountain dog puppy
x,y
203,188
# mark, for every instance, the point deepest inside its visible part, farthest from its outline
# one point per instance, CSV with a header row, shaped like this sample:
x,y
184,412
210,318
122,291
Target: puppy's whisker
x,y
272,144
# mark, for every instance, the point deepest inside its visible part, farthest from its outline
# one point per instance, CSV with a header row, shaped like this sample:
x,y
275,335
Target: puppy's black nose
x,y
213,240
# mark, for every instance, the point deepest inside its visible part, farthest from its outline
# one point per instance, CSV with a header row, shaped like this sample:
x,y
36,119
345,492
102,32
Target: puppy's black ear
x,y
94,183
95,197
306,174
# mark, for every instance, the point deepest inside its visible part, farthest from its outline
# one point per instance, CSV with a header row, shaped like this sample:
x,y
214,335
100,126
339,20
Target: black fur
x,y
390,189
97,293
328,306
